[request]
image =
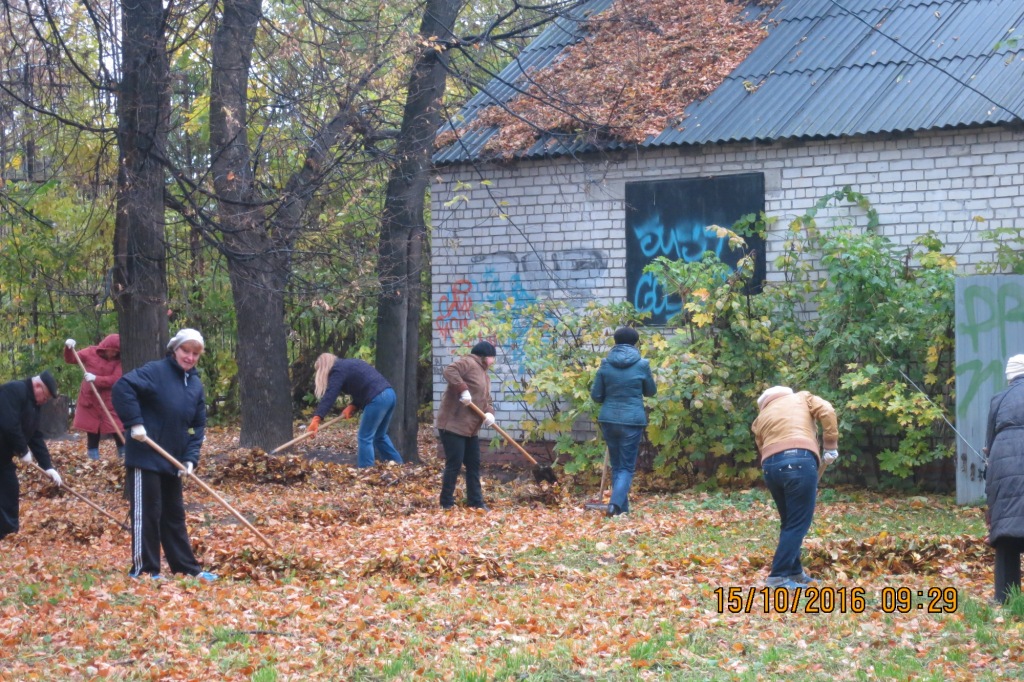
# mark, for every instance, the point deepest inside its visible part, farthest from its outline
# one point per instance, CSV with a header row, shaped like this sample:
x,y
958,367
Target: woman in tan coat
x,y
458,425
787,438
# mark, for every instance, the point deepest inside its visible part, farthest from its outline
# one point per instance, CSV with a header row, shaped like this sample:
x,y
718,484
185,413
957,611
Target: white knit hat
x,y
772,393
184,335
1015,366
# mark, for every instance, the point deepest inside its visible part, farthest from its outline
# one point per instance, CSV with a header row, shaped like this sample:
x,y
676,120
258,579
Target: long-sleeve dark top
x,y
354,378
19,423
171,404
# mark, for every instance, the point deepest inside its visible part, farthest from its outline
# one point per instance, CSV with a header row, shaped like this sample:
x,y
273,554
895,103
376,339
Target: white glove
x,y
27,457
488,419
465,398
189,466
90,377
70,343
139,432
830,456
52,473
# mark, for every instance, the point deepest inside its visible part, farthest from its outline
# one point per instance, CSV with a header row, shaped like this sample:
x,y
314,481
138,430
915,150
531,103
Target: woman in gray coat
x,y
1004,478
622,381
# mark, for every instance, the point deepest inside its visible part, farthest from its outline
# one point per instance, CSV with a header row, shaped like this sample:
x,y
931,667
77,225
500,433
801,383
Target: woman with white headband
x,y
163,400
787,438
1004,478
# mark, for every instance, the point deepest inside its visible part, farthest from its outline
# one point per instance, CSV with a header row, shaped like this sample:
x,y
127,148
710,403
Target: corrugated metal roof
x,y
827,68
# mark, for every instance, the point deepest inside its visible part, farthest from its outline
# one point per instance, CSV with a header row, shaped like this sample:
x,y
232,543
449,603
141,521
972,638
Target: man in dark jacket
x,y
20,403
622,381
1004,478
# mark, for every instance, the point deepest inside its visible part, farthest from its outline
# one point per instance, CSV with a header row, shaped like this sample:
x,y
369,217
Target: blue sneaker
x,y
805,579
150,576
206,576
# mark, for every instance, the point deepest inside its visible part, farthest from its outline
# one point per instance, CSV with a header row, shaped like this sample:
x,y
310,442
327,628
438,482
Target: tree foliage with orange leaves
x,y
631,76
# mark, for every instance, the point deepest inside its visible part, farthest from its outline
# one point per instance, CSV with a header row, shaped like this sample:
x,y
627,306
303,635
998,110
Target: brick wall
x,y
556,228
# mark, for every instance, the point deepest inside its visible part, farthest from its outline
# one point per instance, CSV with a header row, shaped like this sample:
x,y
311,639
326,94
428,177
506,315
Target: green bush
x,y
861,321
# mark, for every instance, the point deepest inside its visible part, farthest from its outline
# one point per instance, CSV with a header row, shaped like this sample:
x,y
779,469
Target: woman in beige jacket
x,y
458,425
787,439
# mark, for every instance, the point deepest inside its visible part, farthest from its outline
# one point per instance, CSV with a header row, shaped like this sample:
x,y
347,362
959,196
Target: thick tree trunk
x,y
262,357
140,274
403,227
257,269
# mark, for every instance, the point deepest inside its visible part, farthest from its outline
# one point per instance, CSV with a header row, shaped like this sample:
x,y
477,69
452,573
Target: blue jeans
x,y
792,479
373,430
623,446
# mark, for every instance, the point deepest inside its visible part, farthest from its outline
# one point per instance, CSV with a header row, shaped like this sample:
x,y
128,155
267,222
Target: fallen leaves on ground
x,y
368,579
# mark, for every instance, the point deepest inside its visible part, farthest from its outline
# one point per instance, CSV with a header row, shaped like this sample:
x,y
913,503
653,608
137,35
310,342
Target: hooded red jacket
x,y
106,365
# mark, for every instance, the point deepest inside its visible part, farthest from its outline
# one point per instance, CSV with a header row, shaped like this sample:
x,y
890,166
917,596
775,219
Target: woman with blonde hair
x,y
370,392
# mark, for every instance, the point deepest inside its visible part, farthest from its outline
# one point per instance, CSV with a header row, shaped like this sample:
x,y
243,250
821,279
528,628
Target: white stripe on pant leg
x,y
137,524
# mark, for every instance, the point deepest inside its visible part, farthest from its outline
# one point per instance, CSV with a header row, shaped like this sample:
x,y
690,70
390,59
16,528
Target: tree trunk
x,y
258,272
403,227
143,105
262,357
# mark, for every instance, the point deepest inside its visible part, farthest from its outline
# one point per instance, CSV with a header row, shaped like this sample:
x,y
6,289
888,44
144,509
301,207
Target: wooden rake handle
x,y
304,436
181,467
80,496
117,431
504,433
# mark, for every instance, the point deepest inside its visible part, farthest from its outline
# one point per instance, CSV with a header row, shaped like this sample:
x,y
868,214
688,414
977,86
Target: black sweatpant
x,y
158,519
1008,551
8,496
459,451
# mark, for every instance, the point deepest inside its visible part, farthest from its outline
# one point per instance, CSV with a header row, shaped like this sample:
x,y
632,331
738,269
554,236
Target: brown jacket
x,y
467,373
787,422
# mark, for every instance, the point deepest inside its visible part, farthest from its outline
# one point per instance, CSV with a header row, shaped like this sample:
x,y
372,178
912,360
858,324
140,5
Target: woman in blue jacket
x,y
162,400
370,393
622,381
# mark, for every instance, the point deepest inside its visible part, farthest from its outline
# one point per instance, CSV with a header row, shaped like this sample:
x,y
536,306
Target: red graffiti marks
x,y
455,311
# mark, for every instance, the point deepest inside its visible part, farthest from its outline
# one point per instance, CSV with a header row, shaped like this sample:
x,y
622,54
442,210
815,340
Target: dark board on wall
x,y
668,217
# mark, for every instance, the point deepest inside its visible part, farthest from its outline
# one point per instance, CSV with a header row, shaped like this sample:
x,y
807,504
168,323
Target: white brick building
x,y
549,225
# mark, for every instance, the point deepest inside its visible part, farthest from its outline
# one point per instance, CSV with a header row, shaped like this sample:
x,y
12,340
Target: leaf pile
x,y
898,555
440,565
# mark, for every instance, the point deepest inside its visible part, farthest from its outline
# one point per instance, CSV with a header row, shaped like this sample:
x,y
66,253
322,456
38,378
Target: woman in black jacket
x,y
1004,478
163,400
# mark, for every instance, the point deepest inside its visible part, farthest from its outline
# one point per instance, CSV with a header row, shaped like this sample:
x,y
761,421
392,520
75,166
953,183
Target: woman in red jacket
x,y
102,370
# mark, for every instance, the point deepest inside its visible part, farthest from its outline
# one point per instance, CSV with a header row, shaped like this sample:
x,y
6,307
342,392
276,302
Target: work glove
x,y
830,456
90,377
314,426
465,398
70,343
488,419
55,477
348,412
27,457
187,471
139,432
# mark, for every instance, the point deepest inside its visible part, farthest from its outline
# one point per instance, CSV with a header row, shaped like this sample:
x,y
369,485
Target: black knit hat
x,y
626,335
49,382
484,350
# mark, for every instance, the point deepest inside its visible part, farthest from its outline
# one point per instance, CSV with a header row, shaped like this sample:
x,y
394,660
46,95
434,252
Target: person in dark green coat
x,y
622,381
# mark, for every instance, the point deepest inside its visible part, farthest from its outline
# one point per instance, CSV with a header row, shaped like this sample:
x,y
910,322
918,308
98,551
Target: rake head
x,y
542,474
